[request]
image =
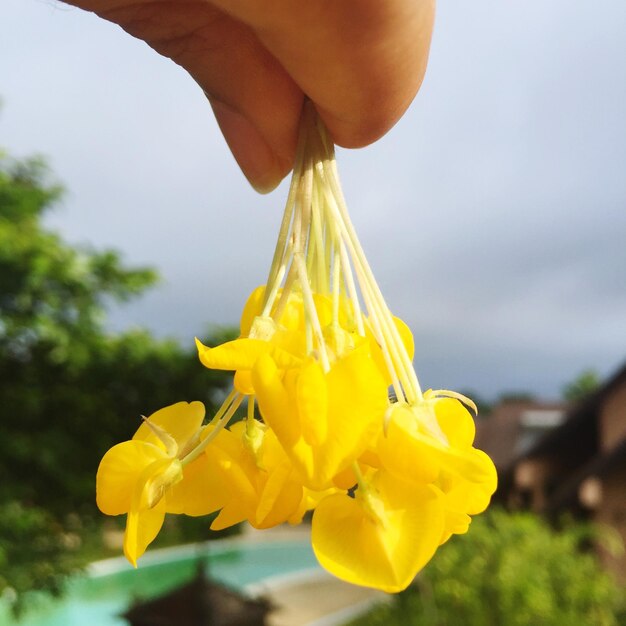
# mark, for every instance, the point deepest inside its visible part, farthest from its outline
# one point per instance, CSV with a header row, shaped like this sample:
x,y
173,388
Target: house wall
x,y
612,512
530,483
613,418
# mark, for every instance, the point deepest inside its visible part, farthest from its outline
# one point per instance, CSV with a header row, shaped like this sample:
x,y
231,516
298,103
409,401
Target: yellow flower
x,y
241,355
282,335
324,421
469,478
292,315
324,418
134,477
256,477
383,536
412,449
390,471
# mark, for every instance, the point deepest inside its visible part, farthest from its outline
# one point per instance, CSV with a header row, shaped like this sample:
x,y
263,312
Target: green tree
x,y
582,386
68,389
52,295
509,570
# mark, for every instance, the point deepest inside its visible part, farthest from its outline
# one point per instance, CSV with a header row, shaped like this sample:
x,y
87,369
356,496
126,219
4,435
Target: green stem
x,y
227,415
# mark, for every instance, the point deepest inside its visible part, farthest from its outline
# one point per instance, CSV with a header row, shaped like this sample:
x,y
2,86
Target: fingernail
x,y
250,150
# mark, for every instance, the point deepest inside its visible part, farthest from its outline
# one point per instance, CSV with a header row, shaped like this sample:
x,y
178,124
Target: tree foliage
x,y
516,396
37,551
509,570
68,389
52,295
582,386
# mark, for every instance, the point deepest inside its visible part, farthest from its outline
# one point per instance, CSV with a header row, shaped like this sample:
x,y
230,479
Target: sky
x,y
493,214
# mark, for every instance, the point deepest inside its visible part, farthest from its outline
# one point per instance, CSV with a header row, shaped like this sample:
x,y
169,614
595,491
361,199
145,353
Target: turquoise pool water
x,y
99,598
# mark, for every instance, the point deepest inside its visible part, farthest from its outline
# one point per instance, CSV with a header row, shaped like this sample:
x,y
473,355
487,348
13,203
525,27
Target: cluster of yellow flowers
x,y
389,471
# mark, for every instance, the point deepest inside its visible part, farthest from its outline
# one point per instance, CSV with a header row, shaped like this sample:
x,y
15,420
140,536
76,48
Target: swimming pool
x,y
110,586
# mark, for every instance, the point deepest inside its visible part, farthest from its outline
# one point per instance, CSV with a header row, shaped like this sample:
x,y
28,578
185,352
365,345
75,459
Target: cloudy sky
x,y
494,213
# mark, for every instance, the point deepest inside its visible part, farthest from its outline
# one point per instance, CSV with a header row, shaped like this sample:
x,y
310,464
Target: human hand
x,y
361,62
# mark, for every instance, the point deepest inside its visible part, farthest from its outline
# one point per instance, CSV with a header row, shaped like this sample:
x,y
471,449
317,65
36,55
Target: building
x,y
573,463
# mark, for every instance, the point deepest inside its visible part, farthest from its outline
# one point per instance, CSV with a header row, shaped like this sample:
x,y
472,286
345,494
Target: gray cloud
x,y
494,214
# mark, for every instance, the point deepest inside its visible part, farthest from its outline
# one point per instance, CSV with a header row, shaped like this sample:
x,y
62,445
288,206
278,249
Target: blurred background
x,y
493,216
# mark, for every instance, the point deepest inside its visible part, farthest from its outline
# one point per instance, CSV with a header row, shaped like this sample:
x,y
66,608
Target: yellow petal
x,y
242,354
339,342
471,465
292,342
252,308
224,440
269,453
279,498
233,513
479,502
370,457
293,316
239,485
345,479
406,336
429,449
182,421
119,472
404,453
312,399
310,499
274,402
455,524
298,515
203,489
142,527
324,309
243,382
471,493
147,508
383,551
236,471
455,421
357,400
161,481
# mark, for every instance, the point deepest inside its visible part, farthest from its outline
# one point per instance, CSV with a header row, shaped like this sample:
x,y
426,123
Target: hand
x,y
361,62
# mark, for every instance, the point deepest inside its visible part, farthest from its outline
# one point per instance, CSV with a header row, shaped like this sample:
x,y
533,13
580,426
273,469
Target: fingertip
x,y
258,162
366,124
265,186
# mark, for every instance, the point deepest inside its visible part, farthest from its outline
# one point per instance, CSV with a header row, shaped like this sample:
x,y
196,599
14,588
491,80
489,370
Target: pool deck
x,y
324,601
313,597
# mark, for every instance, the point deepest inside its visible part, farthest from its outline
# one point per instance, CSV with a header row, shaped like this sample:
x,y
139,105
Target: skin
x,y
361,62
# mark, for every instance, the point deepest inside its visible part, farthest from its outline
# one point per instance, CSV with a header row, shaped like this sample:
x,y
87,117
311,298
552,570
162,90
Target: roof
x,y
499,435
575,443
580,424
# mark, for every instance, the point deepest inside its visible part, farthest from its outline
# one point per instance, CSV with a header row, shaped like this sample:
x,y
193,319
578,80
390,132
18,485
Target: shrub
x,y
509,570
